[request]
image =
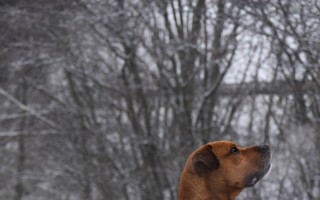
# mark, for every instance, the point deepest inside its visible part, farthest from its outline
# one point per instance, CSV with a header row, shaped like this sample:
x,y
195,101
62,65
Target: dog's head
x,y
230,165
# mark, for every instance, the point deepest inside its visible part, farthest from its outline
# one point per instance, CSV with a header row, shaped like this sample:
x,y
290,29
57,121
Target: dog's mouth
x,y
252,179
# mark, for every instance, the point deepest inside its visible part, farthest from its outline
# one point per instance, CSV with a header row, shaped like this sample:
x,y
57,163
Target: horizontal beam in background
x,y
268,88
279,87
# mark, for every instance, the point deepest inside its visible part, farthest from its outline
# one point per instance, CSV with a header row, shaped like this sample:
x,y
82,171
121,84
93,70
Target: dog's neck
x,y
191,194
191,188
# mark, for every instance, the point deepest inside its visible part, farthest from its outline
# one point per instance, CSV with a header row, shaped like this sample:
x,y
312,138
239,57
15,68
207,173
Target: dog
x,y
221,170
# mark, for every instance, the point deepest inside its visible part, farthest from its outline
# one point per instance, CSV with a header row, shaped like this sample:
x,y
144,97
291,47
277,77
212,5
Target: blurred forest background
x,y
105,99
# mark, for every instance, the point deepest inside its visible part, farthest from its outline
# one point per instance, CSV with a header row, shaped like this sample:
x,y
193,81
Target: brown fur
x,y
214,172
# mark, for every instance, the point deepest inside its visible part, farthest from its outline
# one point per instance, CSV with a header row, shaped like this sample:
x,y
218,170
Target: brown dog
x,y
221,170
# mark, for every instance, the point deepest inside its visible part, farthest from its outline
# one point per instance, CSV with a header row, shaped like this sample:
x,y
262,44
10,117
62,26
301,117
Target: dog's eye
x,y
234,150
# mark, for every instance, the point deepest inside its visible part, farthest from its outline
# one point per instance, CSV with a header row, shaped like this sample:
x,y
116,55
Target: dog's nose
x,y
265,147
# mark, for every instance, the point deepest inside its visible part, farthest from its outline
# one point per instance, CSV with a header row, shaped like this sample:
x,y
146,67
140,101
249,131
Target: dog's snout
x,y
265,148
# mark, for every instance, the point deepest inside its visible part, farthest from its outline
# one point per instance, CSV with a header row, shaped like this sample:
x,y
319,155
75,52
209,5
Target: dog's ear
x,y
204,161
